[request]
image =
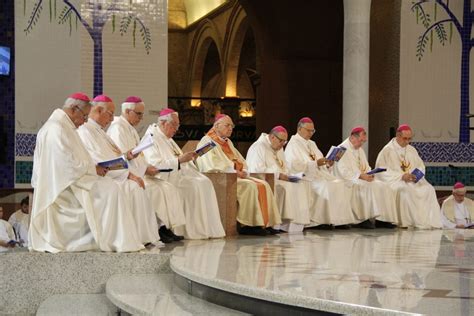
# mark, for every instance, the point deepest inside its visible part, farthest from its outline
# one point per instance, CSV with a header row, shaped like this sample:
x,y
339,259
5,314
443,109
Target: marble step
x,y
157,294
77,304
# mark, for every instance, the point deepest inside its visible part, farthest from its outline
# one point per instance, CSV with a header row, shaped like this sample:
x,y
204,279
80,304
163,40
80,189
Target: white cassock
x,y
250,212
416,202
101,148
195,189
454,213
369,199
73,208
163,195
6,233
293,199
21,223
331,197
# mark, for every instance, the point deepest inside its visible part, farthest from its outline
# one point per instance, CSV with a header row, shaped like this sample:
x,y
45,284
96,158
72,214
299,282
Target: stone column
x,y
355,100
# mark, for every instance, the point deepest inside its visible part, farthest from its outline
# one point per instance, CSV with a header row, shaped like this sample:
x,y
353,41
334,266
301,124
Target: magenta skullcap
x,y
357,130
166,111
133,99
404,127
219,117
80,96
102,98
305,120
279,129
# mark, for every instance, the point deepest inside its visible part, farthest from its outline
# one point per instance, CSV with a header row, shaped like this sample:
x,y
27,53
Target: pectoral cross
x,y
405,166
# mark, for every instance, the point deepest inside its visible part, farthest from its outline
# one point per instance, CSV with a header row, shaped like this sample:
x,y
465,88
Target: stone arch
x,y
205,35
235,35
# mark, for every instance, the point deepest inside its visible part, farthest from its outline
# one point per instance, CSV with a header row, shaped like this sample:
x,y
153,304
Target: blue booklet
x,y
377,170
418,174
335,153
114,164
204,149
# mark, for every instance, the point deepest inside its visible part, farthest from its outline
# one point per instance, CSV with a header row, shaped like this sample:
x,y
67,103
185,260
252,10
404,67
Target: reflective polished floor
x,y
355,271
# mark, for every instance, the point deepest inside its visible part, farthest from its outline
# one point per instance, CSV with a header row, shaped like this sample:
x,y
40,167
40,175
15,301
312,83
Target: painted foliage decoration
x,y
93,15
426,13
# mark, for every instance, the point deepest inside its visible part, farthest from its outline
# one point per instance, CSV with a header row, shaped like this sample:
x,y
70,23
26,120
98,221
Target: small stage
x,y
363,272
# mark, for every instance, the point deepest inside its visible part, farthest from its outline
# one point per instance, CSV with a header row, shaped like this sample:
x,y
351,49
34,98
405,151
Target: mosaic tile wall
x,y
7,97
445,152
445,176
23,172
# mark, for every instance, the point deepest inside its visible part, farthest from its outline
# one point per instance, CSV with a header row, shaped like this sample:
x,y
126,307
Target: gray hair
x,y
100,104
167,118
301,124
71,102
128,106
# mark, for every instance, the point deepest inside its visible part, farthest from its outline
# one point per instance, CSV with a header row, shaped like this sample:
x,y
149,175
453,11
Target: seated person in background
x,y
330,203
415,200
20,220
6,233
457,210
257,207
372,201
75,208
293,199
101,148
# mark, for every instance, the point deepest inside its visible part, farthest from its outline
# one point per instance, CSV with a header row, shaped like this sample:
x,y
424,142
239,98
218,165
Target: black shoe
x,y
381,224
342,227
164,237
272,231
323,227
172,235
367,224
249,230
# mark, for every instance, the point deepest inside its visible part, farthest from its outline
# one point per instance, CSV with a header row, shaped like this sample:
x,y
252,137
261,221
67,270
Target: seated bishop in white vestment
x,y
331,197
257,206
371,199
75,209
195,189
102,148
457,210
416,201
293,198
163,195
20,220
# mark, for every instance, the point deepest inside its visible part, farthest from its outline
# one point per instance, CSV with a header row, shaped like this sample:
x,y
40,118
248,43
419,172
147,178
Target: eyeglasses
x,y
84,115
175,125
281,140
229,125
139,114
309,130
110,113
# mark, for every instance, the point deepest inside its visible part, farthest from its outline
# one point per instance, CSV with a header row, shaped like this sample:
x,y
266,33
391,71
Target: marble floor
x,y
353,272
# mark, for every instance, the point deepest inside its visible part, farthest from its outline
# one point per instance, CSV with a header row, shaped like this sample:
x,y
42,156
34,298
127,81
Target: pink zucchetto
x,y
133,99
404,127
219,117
166,111
459,187
279,129
80,96
357,130
102,98
305,120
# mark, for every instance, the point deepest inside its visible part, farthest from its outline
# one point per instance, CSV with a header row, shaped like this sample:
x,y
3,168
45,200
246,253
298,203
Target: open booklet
x,y
335,153
418,174
204,149
377,170
114,164
295,177
145,143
